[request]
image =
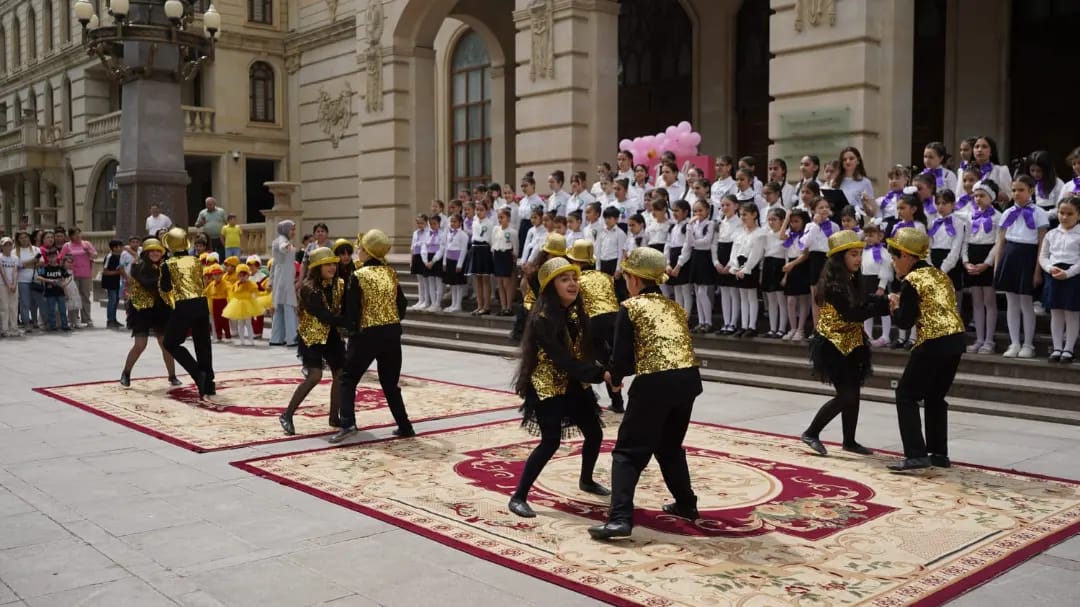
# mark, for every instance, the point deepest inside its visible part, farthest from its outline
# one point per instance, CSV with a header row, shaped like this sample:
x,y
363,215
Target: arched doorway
x,y
928,76
655,86
104,202
752,82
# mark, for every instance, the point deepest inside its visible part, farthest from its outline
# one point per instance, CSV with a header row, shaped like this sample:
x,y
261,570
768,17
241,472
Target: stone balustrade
x,y
198,119
103,125
252,242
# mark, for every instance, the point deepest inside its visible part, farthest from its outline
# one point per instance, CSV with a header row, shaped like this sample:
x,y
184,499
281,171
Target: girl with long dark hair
x,y
554,378
840,350
146,310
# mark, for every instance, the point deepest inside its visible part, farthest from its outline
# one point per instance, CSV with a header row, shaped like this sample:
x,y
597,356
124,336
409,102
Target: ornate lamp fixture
x,y
167,27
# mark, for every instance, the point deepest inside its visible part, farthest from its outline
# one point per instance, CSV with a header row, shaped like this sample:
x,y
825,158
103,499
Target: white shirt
x,y
657,232
947,181
727,228
883,270
457,242
515,216
161,222
887,205
9,267
677,237
639,192
756,198
774,244
676,191
1069,188
1019,232
940,239
572,237
534,243
748,244
578,202
1001,176
634,241
1061,246
592,230
816,239
504,239
26,274
854,189
481,230
979,236
557,203
1049,200
720,188
702,235
432,239
529,203
419,236
610,245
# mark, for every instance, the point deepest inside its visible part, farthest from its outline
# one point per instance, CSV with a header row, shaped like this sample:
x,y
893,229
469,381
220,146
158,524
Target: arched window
x,y
470,111
261,82
16,41
261,11
47,25
66,109
105,199
3,50
65,21
31,33
50,111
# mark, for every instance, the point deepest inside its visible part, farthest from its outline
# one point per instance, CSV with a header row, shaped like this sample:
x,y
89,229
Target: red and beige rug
x,y
247,405
780,527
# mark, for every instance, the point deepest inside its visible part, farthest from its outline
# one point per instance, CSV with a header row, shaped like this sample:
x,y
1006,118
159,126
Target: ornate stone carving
x,y
375,22
814,12
374,97
542,20
332,6
292,60
335,114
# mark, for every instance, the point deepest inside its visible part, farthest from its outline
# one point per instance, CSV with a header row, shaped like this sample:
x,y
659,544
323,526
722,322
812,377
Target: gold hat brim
x,y
661,279
895,244
561,270
324,261
847,246
153,247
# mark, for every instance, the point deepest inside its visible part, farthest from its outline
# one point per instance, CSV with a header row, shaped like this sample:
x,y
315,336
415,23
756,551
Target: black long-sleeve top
x,y
315,301
907,314
872,307
679,383
549,335
354,301
147,274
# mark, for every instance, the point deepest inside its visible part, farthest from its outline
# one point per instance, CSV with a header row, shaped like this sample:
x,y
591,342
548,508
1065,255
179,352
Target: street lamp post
x,y
150,49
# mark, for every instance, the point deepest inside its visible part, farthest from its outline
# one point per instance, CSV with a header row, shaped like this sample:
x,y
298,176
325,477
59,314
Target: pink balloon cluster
x,y
680,140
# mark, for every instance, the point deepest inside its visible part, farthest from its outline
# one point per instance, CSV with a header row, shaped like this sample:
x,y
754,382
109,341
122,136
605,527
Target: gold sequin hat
x,y
321,256
911,241
375,243
176,240
844,240
152,244
555,244
581,251
554,267
647,263
342,242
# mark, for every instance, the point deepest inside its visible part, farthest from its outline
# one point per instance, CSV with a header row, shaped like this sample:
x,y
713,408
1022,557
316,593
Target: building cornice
x,y
342,29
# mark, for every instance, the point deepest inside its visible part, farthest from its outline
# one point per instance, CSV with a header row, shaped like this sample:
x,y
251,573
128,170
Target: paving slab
x,y
54,567
279,582
28,529
127,591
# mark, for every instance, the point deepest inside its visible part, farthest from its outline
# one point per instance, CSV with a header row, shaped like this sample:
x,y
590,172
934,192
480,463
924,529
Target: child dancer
x,y
556,367
934,159
909,214
217,293
772,274
727,227
1017,270
504,258
876,275
457,243
320,332
481,264
1059,257
601,305
701,243
146,311
840,351
796,273
244,304
431,256
980,251
746,256
416,266
677,255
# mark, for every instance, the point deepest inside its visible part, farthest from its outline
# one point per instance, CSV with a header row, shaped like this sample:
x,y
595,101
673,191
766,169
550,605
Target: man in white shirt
x,y
157,221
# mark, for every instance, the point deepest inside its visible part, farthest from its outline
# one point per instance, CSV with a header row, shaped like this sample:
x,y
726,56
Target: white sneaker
x,y
1027,352
987,348
420,305
787,336
880,342
434,309
453,310
975,347
1037,306
1012,351
799,336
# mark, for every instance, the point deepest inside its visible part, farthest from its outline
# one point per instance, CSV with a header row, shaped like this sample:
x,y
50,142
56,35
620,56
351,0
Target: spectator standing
x,y
82,255
212,219
110,281
157,221
9,289
232,235
283,285
29,257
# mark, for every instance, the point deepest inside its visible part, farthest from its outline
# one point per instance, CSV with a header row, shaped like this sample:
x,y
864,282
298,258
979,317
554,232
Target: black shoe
x,y
175,381
738,332
911,463
521,508
276,343
334,423
897,344
611,531
617,408
814,443
689,513
202,381
211,387
749,333
594,488
940,461
857,449
1055,356
125,379
286,424
341,435
404,432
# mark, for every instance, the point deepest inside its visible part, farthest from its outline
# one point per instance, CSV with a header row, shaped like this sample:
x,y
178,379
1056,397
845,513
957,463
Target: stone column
x,y
283,209
566,114
843,80
977,88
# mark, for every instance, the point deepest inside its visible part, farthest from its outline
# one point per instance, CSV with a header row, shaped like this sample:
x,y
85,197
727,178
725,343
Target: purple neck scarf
x,y
964,200
938,173
891,196
983,219
875,250
792,237
827,228
1076,183
986,168
929,206
1027,211
963,165
901,224
950,229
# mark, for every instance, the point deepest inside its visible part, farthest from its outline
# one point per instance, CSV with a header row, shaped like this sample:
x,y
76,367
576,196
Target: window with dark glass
x,y
261,79
470,114
261,11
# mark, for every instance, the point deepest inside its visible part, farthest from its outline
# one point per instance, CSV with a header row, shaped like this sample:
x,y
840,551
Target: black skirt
x,y
684,274
870,284
1064,294
977,254
417,265
798,280
435,271
1017,268
956,275
772,272
748,281
702,270
830,366
608,266
480,260
451,276
568,407
658,247
723,257
333,352
817,264
142,322
503,263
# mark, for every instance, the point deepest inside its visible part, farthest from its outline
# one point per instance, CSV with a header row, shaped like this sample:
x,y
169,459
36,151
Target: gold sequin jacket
x,y
598,293
937,313
376,295
661,335
181,279
314,304
560,358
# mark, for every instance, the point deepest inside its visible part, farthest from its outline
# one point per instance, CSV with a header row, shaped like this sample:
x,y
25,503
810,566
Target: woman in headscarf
x,y
283,285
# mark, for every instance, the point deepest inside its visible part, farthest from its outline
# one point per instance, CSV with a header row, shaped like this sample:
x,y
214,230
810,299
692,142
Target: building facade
x,y
380,106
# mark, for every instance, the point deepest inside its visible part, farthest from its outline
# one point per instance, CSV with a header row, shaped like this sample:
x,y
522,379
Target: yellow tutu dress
x,y
243,303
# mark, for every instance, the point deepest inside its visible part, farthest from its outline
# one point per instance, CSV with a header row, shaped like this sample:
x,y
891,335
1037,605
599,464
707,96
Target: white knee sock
x,y
1057,329
423,284
1027,312
991,308
978,314
804,313
748,305
704,303
667,291
434,292
793,310
438,292
1012,312
1072,330
886,326
686,300
777,310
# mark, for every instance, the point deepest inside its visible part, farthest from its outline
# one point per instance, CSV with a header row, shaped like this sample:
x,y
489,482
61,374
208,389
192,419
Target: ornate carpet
x,y
779,527
247,405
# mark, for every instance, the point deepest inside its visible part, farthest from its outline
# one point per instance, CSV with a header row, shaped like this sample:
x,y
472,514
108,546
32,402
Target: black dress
x,y
828,363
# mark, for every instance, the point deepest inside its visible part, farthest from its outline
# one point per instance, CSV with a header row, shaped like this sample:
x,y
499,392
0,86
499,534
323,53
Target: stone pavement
x,y
93,513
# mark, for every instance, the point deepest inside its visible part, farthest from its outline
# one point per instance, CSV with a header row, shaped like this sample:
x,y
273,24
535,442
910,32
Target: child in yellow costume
x,y
244,304
229,279
217,295
261,278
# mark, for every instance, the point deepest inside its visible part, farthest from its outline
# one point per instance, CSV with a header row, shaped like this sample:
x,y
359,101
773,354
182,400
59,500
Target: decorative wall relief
x,y
375,21
373,56
332,6
335,114
542,19
814,12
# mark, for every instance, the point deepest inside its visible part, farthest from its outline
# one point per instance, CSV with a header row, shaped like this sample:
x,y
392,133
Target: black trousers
x,y
653,427
603,330
846,405
193,315
549,416
927,378
381,345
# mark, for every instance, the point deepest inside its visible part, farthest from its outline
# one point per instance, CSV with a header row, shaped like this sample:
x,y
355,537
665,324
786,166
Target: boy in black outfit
x,y
110,281
52,276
